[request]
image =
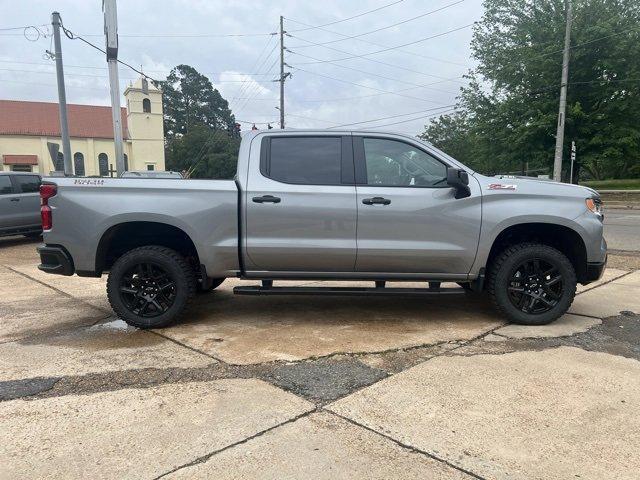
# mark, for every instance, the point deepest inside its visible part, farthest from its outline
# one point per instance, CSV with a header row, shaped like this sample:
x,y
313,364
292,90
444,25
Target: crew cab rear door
x,y
409,220
300,204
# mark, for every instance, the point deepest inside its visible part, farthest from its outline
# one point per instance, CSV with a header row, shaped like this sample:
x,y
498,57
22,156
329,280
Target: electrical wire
x,y
385,77
388,48
350,18
395,116
367,86
413,119
348,37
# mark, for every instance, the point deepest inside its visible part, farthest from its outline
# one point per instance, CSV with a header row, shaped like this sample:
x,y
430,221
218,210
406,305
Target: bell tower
x,y
145,127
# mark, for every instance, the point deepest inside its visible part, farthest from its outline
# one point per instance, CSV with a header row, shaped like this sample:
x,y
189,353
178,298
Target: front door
x,y
409,220
300,204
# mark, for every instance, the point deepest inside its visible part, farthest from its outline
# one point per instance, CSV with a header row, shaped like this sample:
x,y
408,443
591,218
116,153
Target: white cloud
x,y
228,60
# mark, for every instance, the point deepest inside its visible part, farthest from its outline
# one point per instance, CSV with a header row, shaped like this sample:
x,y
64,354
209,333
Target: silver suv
x,y
20,204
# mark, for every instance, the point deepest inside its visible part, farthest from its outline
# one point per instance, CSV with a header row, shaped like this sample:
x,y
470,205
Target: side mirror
x,y
458,179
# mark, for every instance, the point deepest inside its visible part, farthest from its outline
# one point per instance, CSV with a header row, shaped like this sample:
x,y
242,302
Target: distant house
x,y
26,127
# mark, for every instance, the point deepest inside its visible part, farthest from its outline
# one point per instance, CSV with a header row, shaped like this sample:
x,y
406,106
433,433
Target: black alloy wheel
x,y
531,283
147,290
536,286
150,286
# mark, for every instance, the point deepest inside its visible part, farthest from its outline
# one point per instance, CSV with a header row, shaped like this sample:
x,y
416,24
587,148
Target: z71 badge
x,y
502,186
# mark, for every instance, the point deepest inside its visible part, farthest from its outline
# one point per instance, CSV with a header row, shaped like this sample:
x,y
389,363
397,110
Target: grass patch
x,y
619,184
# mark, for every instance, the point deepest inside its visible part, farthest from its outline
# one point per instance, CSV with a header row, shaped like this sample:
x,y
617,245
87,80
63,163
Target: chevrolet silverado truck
x,y
327,205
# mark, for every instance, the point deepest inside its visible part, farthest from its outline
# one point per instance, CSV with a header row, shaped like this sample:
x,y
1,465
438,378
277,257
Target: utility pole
x,y
283,76
62,96
557,161
111,34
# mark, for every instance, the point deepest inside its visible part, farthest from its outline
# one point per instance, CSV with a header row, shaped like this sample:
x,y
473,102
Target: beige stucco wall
x,y
146,146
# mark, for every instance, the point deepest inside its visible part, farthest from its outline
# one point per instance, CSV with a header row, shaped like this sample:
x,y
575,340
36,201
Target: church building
x,y
26,128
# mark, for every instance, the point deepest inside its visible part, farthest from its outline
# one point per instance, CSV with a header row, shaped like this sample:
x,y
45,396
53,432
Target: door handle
x,y
15,199
376,201
266,199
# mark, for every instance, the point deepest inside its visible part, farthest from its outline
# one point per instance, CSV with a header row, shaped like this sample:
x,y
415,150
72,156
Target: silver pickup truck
x,y
327,205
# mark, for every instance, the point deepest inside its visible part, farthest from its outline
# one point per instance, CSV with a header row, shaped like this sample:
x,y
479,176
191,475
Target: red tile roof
x,y
42,119
20,159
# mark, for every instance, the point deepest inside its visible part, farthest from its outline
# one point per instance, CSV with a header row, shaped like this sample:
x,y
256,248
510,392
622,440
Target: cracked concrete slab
x,y
559,413
566,325
245,330
622,294
136,433
320,446
89,290
608,275
29,308
105,347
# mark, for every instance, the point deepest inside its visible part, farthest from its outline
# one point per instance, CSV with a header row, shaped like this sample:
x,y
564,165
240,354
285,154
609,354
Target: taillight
x,y
47,190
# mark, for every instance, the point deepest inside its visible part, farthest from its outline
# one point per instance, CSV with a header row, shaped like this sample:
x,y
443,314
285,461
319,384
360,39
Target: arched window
x,y
78,163
126,163
103,165
59,163
146,105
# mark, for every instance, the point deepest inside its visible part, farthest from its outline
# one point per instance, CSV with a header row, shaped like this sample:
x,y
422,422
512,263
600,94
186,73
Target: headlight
x,y
594,205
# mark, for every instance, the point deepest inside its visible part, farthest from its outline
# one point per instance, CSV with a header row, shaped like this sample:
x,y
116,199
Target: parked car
x,y
327,205
20,204
150,174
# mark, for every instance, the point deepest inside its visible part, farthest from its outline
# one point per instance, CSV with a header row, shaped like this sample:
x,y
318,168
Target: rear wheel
x,y
150,287
532,284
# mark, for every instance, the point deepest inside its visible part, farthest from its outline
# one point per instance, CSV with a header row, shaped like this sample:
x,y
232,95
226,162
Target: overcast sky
x,y
158,35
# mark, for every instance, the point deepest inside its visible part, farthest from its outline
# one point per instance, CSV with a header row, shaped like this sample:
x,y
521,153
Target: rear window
x,y
305,160
28,183
5,185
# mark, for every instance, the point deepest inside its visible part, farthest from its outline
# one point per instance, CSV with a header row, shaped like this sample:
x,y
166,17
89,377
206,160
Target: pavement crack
x,y
188,347
206,457
57,290
406,446
605,283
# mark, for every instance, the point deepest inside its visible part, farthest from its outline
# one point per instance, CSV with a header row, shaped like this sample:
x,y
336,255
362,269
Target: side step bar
x,y
345,291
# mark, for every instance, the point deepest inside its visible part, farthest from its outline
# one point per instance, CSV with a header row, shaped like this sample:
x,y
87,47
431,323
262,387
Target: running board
x,y
345,291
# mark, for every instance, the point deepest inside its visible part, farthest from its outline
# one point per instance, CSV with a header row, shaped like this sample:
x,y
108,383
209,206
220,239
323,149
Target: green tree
x,y
508,113
189,100
204,154
198,125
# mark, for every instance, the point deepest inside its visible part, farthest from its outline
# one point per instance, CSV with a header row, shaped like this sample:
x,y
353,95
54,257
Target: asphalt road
x,y
622,229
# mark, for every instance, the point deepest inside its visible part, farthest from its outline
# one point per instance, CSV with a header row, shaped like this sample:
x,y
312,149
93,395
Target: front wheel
x,y
532,284
150,287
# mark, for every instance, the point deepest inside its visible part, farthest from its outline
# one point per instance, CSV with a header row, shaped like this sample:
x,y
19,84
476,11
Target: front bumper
x,y
55,260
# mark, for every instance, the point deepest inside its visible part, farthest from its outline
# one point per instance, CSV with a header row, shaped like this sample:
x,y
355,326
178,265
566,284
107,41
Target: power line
x,y
241,89
381,45
367,86
413,119
348,37
5,29
385,77
394,116
379,62
389,48
349,18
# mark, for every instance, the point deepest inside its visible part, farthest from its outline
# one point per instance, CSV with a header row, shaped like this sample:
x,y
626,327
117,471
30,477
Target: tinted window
x,y
398,164
5,185
305,160
28,183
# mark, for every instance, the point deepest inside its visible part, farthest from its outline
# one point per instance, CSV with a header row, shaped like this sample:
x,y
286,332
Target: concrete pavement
x,y
314,387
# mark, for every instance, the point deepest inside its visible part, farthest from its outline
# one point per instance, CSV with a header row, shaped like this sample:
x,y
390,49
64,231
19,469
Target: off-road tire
x,y
500,276
174,264
211,285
